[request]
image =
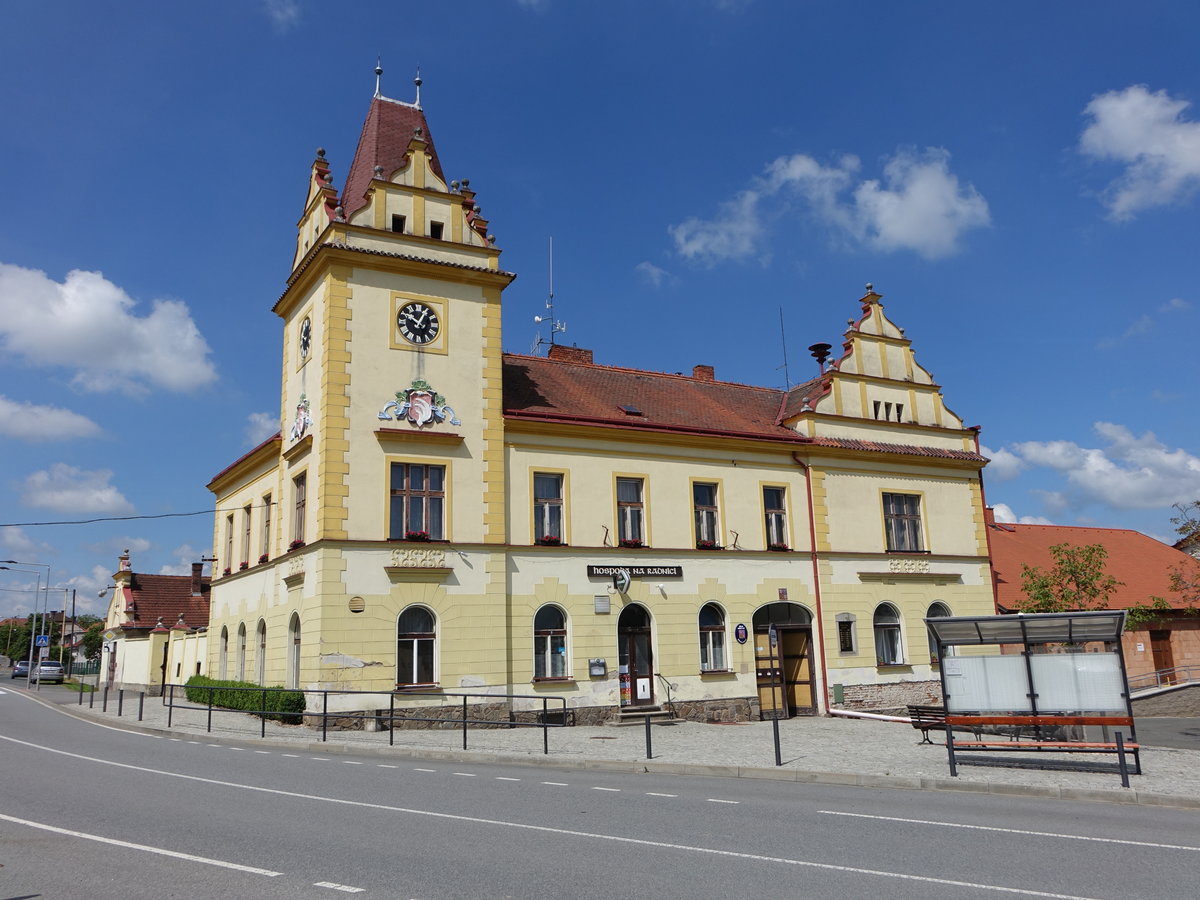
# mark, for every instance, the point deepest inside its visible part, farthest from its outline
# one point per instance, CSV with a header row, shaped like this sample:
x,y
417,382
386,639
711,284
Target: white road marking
x,y
292,755
386,766
253,870
345,888
320,758
614,790
563,832
653,794
463,774
713,800
236,748
555,783
193,742
350,762
424,770
264,752
502,778
1049,834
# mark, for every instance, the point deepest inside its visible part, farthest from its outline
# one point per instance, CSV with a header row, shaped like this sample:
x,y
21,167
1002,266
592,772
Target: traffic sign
x,y
41,640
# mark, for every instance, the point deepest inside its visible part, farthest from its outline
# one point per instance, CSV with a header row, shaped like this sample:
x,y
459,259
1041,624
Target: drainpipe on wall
x,y
812,544
988,520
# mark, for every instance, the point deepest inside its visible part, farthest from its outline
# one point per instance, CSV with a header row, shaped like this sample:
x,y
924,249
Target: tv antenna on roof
x,y
556,327
787,381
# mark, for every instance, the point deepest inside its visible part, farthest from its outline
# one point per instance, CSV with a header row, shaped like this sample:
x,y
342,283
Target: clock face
x,y
305,338
418,323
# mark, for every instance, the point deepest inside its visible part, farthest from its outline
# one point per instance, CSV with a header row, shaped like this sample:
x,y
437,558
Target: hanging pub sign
x,y
636,571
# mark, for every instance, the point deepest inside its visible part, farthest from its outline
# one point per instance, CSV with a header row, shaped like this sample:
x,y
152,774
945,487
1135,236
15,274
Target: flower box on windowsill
x,y
708,545
629,544
704,672
295,545
549,540
245,565
262,559
227,571
778,548
417,536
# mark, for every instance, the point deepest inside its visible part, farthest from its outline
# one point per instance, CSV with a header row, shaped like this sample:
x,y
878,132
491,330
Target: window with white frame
x,y
294,651
712,638
300,491
228,543
704,503
631,512
549,643
418,502
264,548
246,512
241,651
888,649
547,507
902,522
775,514
416,639
223,665
260,657
936,611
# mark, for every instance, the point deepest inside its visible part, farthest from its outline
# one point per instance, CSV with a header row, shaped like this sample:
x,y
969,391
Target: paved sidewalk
x,y
829,750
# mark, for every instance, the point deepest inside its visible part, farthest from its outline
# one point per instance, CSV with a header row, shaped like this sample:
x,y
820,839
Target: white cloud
x,y
259,427
66,489
1005,514
114,546
1004,464
88,324
1146,132
87,586
186,555
1175,304
652,274
29,422
1131,472
17,543
284,14
1144,323
919,205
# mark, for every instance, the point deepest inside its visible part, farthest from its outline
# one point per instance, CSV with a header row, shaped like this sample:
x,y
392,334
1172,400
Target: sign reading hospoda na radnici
x,y
636,571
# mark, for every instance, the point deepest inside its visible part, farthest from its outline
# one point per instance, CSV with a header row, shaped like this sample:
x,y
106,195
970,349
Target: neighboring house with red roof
x,y
1144,567
155,629
439,515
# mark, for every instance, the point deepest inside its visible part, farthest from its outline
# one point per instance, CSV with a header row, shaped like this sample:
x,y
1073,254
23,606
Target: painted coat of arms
x,y
303,420
420,405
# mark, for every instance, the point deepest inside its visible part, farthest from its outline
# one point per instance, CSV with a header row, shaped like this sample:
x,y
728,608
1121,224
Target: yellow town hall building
x,y
439,515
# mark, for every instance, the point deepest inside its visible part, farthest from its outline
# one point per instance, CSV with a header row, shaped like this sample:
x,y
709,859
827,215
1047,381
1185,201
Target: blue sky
x,y
1018,180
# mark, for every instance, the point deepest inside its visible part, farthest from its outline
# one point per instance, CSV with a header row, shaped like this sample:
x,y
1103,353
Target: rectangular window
x,y
229,542
776,517
246,535
300,486
704,501
902,522
547,507
418,502
435,230
631,512
398,223
264,549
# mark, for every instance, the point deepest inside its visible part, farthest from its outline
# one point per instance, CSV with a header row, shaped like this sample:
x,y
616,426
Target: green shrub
x,y
277,703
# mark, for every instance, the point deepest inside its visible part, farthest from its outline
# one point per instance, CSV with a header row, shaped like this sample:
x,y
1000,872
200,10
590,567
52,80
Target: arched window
x,y
241,652
712,638
260,658
936,610
223,660
549,643
888,650
416,637
294,651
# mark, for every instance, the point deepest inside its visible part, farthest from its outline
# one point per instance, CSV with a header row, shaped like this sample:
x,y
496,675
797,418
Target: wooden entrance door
x,y
635,657
785,684
1160,647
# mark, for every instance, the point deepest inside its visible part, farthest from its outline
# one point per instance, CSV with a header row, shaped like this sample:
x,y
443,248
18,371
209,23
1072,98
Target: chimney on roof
x,y
703,373
570,354
989,517
197,579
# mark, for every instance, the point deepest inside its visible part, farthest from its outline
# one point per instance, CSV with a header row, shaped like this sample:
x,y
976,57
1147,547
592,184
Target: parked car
x,y
48,672
21,669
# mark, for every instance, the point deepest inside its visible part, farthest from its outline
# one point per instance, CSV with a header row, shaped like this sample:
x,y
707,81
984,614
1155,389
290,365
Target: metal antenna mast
x,y
787,382
556,327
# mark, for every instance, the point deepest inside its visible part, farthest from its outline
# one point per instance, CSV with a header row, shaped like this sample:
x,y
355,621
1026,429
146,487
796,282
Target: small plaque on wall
x,y
601,604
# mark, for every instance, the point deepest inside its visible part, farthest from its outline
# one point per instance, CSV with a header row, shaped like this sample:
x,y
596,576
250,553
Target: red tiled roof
x,y
384,142
1143,564
907,449
167,596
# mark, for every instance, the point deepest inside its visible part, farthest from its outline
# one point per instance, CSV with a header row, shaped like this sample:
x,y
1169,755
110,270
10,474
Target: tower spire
x,y
378,75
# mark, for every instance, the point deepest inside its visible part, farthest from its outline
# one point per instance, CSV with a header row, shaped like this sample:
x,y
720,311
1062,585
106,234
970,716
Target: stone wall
x,y
893,697
1183,701
729,709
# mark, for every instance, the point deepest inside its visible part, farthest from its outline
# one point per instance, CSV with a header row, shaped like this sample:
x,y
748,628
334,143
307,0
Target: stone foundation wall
x,y
893,697
1182,702
729,709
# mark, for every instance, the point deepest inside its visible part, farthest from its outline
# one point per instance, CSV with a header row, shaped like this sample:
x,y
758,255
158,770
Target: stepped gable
x,y
384,142
568,387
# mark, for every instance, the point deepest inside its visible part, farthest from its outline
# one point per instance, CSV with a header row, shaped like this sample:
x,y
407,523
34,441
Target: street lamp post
x,y
33,632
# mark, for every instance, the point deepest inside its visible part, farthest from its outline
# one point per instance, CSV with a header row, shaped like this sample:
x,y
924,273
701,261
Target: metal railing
x,y
1164,678
458,714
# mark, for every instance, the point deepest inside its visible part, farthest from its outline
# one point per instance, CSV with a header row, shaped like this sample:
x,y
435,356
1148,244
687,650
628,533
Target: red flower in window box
x,y
244,565
777,547
416,536
227,571
262,559
549,540
631,543
707,545
296,544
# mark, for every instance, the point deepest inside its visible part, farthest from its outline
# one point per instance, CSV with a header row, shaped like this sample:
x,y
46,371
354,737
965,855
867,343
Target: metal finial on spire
x,y
378,75
417,82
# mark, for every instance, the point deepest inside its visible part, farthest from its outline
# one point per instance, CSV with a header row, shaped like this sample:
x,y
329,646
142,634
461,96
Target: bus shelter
x,y
1037,683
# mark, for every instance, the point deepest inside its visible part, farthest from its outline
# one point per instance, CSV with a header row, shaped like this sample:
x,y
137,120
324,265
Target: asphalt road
x,y
91,811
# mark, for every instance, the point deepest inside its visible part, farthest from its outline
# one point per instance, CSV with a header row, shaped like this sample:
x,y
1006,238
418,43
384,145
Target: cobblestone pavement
x,y
831,750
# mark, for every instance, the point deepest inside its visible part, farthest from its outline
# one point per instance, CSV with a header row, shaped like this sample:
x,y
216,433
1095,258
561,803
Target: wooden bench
x,y
926,718
977,724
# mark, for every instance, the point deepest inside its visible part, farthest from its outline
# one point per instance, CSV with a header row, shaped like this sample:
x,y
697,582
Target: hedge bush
x,y
284,705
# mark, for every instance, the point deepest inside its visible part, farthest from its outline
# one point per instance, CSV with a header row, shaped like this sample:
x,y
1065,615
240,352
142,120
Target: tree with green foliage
x,y
1076,581
93,640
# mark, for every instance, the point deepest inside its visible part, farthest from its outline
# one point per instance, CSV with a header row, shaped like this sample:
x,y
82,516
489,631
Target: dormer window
x,y
435,230
398,223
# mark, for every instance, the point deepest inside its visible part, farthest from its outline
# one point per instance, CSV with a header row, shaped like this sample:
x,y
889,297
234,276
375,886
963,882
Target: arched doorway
x,y
634,656
783,661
